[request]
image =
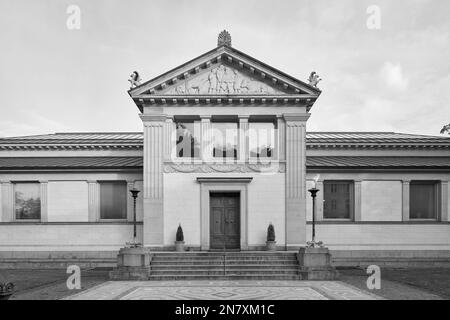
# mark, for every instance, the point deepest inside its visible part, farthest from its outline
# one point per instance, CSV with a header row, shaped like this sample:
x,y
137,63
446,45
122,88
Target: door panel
x,y
224,221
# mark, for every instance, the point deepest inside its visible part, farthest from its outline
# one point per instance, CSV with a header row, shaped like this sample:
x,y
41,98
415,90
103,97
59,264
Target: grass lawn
x,y
48,284
404,283
396,283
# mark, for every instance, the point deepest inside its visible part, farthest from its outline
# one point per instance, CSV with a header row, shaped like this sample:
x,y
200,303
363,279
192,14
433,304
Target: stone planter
x,y
315,264
271,245
179,246
132,264
6,290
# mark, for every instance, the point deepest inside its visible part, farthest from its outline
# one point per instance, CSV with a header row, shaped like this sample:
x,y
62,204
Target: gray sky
x,y
54,79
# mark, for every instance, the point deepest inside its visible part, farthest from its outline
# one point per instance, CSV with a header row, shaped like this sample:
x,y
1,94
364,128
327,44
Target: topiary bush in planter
x,y
271,243
179,239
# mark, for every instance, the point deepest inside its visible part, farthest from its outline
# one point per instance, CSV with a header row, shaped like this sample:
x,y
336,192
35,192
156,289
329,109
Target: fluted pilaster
x,y
7,204
44,201
154,137
295,179
93,201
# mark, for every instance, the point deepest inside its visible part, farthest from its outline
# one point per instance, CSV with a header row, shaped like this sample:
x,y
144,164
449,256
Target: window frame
x,y
194,122
15,219
274,146
351,184
237,145
437,197
100,219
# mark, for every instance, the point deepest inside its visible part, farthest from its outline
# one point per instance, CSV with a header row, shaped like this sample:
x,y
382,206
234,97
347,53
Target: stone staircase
x,y
225,266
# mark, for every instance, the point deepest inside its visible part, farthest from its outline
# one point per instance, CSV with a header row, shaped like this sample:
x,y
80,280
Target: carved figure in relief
x,y
223,80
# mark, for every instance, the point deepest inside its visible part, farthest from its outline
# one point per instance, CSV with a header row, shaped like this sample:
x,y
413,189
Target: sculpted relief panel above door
x,y
222,79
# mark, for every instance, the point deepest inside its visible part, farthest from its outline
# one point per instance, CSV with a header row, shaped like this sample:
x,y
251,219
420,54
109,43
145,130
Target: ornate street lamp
x,y
134,193
313,243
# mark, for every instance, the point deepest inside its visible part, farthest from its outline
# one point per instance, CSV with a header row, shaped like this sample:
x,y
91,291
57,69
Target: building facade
x,y
224,152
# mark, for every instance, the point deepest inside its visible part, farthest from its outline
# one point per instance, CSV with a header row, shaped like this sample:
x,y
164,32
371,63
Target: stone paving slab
x,y
224,290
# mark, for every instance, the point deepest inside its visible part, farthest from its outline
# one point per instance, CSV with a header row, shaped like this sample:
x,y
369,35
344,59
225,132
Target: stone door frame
x,y
236,185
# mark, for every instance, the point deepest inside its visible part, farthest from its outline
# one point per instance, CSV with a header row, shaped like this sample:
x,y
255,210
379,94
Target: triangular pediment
x,y
223,78
224,71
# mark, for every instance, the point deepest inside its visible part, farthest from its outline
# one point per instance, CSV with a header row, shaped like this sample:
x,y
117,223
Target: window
x,y
261,139
113,200
27,201
338,200
423,200
225,139
188,143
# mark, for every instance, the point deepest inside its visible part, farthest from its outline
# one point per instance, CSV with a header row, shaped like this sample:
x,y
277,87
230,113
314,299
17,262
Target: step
x,y
218,258
221,268
228,262
228,265
227,277
221,272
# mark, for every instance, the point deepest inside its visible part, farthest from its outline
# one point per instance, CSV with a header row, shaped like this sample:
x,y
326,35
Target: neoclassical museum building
x,y
224,152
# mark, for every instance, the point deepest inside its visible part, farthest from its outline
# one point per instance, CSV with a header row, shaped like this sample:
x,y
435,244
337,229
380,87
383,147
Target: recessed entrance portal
x,y
224,221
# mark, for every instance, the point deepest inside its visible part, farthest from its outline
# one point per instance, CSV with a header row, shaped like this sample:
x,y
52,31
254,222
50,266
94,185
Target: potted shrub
x,y
179,239
271,243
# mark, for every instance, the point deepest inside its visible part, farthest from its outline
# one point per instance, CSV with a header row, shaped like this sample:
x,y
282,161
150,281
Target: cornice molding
x,y
274,167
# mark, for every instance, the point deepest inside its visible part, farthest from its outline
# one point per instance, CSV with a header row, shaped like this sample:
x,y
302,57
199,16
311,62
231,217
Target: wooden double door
x,y
225,221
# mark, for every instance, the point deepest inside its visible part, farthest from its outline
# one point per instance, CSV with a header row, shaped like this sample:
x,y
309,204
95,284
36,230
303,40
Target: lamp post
x,y
134,193
313,243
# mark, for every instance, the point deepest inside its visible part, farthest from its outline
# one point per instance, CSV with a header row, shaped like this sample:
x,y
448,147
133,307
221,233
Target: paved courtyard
x,y
218,290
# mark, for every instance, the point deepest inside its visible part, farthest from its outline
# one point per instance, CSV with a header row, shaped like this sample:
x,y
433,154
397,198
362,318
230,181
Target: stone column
x,y
295,180
169,139
44,201
445,200
281,141
7,205
206,138
93,201
243,139
358,197
405,200
153,179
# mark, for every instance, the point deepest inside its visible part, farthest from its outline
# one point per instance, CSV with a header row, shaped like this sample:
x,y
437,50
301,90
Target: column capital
x,y
243,117
205,117
296,117
153,117
406,181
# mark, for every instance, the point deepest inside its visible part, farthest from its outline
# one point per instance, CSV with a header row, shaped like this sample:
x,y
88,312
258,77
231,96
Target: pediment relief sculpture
x,y
222,79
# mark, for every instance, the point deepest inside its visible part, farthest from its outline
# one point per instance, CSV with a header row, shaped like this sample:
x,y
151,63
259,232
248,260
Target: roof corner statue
x,y
135,79
314,79
224,38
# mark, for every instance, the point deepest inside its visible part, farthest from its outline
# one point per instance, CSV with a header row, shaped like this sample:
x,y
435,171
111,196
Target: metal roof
x,y
312,162
36,163
134,140
377,162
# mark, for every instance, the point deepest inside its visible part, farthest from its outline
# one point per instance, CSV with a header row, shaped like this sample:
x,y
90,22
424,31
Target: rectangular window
x,y
423,200
338,200
225,139
27,201
113,200
261,139
188,141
